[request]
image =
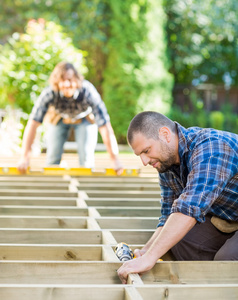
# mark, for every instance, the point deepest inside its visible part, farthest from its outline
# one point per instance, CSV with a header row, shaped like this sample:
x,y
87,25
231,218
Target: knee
x,y
227,254
229,251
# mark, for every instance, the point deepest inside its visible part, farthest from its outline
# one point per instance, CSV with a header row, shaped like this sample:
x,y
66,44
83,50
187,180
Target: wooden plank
x,y
73,272
50,236
127,222
35,192
38,201
129,211
44,222
59,273
35,179
137,237
122,187
108,254
93,212
123,202
63,292
59,252
108,238
35,185
62,265
134,279
117,180
42,211
193,272
92,224
191,292
123,194
131,293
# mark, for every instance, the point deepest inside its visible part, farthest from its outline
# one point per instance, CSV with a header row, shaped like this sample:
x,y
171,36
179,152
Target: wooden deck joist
x,y
26,210
58,234
147,202
38,201
128,211
77,222
118,292
50,236
74,222
81,272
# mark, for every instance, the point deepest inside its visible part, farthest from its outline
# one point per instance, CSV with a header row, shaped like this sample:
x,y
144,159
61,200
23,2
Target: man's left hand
x,y
138,265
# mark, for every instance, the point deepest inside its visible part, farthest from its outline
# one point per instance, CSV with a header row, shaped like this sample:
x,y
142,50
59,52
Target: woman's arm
x,y
28,139
110,142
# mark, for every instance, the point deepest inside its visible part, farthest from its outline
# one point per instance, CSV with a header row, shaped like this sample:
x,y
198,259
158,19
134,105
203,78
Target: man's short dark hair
x,y
148,123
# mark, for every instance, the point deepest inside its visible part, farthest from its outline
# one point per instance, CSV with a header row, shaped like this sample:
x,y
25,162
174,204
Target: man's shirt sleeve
x,y
210,167
42,104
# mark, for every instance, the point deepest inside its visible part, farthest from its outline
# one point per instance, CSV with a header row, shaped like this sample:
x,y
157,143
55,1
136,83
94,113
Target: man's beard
x,y
166,164
164,167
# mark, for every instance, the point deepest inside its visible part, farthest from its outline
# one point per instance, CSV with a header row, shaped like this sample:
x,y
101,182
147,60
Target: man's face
x,y
156,153
68,84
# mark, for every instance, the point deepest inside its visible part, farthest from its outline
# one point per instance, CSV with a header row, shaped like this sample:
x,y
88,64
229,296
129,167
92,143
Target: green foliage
x,y
230,118
126,48
27,60
121,88
135,77
194,114
216,119
155,80
203,40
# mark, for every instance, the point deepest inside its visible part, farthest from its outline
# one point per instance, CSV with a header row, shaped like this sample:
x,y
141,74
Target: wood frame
x,y
58,236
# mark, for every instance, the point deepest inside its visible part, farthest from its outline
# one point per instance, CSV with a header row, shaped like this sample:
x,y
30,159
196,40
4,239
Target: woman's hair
x,y
58,74
148,123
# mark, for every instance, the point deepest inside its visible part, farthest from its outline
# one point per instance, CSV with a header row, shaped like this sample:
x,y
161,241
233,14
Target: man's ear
x,y
165,134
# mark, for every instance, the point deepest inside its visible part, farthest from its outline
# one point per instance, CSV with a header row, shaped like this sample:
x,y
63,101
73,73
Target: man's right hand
x,y
139,252
23,164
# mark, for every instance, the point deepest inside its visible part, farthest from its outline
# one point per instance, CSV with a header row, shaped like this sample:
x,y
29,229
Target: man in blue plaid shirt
x,y
198,175
68,102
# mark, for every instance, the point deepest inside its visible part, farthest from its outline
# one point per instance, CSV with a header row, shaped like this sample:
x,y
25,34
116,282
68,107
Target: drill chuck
x,y
123,252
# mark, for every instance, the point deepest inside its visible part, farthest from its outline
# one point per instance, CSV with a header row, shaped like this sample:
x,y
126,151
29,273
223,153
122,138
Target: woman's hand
x,y
23,164
118,167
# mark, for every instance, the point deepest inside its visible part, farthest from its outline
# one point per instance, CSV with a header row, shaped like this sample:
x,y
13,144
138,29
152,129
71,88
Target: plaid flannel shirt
x,y
206,181
86,97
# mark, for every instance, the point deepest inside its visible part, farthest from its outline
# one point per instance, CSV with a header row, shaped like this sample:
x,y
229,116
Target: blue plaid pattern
x,y
82,99
206,181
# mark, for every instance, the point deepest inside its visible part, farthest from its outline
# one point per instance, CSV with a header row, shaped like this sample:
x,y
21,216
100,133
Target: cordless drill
x,y
123,252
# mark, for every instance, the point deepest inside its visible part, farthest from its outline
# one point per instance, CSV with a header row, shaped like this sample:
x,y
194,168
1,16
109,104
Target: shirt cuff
x,y
162,221
189,210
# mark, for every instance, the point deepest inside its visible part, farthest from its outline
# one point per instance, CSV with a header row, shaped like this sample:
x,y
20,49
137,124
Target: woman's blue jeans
x,y
86,135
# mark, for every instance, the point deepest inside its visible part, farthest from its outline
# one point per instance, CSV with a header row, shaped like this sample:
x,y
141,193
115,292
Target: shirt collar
x,y
75,95
183,144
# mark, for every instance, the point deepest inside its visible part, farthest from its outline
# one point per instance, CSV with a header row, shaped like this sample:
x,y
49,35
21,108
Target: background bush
x,y
27,60
135,51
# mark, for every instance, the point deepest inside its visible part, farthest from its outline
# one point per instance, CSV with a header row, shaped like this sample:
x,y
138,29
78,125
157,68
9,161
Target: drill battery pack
x,y
123,252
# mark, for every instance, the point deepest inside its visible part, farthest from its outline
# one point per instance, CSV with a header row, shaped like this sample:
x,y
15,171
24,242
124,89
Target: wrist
x,y
151,259
26,156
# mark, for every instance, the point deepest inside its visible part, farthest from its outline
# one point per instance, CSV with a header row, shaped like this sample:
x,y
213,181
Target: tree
x,y
203,41
126,49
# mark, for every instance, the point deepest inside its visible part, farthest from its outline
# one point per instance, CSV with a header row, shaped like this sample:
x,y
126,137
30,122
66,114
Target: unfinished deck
x,y
58,235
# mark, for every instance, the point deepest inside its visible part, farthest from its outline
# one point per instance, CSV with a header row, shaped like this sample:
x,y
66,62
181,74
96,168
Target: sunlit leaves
x,y
27,60
203,38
